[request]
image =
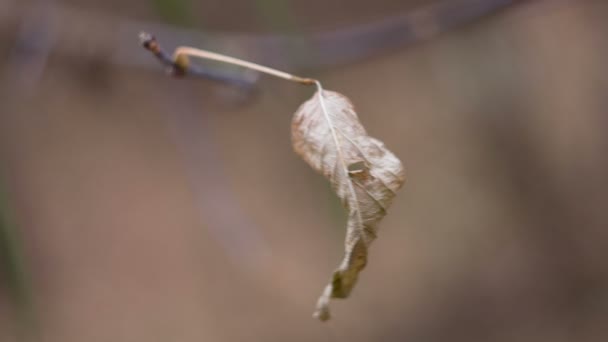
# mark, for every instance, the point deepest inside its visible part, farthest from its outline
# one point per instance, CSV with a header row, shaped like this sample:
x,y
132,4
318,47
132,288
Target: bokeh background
x,y
141,207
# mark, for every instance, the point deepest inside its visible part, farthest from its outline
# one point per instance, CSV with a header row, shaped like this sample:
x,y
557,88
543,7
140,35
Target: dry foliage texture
x,y
365,175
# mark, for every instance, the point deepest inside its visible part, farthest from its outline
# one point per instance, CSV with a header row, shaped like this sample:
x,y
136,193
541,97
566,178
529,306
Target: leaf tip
x,y
322,310
322,314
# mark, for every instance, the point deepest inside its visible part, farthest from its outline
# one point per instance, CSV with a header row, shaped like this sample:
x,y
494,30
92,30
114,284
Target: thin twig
x,y
180,69
179,64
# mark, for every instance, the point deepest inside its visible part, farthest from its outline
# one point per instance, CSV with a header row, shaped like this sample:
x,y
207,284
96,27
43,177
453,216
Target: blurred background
x,y
140,207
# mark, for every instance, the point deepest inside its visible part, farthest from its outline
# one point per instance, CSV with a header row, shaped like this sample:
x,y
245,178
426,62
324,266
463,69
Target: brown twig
x,y
180,65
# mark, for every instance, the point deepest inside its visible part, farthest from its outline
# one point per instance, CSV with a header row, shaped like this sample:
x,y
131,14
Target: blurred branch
x,y
88,30
230,226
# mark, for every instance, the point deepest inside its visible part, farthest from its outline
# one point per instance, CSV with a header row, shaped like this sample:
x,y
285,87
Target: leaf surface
x,y
327,134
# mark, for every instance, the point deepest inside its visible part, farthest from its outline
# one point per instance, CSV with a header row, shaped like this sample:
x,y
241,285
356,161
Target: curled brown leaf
x,y
327,134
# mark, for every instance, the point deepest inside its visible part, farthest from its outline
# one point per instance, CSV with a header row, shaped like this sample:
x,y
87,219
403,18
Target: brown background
x,y
156,209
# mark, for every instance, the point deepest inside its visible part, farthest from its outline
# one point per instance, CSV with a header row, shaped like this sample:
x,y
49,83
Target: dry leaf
x,y
327,134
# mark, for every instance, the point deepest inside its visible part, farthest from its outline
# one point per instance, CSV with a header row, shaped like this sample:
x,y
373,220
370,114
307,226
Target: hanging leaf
x,y
327,134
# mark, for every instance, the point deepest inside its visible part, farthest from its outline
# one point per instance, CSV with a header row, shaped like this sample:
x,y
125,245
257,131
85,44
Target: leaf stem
x,y
204,54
